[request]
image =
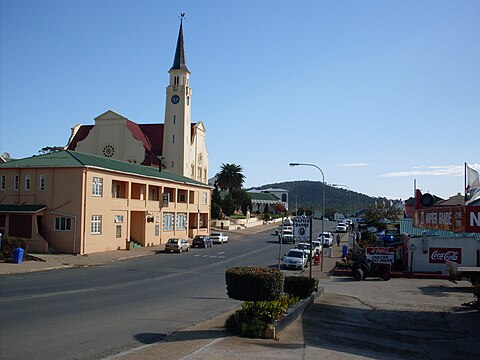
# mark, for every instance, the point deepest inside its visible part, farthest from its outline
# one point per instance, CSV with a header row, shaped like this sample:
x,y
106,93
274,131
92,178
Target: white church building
x,y
177,145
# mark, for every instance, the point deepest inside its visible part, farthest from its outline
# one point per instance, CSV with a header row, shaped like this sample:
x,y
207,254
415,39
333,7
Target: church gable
x,y
110,115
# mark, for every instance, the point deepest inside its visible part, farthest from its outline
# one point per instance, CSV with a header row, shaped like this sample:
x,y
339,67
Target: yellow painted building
x,y
80,203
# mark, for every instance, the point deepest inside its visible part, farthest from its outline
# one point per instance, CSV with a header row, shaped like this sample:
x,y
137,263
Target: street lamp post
x,y
323,208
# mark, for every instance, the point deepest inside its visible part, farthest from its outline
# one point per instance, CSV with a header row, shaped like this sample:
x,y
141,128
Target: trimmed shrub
x,y
248,283
300,286
10,243
252,320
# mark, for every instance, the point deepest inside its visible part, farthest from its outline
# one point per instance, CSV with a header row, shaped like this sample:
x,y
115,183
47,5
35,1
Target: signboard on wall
x,y
381,254
449,218
439,255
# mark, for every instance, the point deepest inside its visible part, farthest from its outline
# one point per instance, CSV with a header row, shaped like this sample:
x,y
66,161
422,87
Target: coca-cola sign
x,y
439,255
381,254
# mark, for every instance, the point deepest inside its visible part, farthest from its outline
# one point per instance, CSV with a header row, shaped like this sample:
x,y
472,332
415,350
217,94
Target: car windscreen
x,y
172,241
296,254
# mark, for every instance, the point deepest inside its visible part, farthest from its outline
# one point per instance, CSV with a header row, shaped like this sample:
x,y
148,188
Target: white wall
x,y
469,246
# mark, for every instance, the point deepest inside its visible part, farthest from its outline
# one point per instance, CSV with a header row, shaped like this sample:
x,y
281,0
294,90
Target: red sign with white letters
x,y
439,255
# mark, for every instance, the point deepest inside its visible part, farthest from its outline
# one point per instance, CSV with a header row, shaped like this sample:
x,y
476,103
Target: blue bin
x,y
18,255
344,250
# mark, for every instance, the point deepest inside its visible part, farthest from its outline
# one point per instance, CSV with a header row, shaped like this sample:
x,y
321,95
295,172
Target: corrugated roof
x,y
69,158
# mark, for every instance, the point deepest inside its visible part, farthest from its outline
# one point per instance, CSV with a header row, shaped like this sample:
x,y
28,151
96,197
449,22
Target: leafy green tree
x,y
228,205
376,213
230,177
216,202
50,149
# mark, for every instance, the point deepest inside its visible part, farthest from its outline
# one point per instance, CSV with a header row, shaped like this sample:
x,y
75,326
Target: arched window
x,y
284,197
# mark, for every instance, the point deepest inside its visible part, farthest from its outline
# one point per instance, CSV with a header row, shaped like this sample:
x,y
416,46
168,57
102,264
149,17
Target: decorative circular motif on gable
x,y
108,151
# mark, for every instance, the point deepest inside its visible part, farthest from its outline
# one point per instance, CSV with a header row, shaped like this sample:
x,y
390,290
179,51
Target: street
x,y
91,313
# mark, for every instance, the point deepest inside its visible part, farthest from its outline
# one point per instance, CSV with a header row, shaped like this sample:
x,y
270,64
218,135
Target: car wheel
x,y
179,250
386,275
358,275
188,249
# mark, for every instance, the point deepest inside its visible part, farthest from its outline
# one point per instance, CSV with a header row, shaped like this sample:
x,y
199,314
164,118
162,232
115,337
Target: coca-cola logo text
x,y
440,255
381,250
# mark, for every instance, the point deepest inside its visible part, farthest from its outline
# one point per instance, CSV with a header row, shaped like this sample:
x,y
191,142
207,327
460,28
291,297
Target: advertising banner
x,y
301,228
381,254
449,218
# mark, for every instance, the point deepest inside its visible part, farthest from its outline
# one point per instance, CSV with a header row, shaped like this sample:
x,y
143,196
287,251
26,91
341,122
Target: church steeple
x,y
179,62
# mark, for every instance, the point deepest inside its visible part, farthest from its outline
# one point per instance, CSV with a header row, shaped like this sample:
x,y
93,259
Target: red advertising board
x,y
450,218
381,254
439,255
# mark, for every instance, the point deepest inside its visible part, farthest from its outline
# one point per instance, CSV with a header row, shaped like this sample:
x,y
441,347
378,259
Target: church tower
x,y
177,135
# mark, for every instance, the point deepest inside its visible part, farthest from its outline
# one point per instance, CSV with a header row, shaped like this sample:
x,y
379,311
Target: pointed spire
x,y
179,62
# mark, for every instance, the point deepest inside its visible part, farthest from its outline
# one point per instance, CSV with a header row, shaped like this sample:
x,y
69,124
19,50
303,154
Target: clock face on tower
x,y
175,99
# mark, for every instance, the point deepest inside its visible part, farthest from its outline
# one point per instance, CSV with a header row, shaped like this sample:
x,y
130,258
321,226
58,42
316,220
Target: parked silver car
x,y
177,245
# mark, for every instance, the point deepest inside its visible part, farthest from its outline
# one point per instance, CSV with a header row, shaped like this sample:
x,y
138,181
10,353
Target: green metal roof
x,y
69,158
21,208
261,196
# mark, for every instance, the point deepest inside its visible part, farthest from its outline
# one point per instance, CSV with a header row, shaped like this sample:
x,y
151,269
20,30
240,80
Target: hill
x,y
308,195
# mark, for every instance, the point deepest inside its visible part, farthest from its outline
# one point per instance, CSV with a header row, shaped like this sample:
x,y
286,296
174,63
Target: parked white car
x,y
296,259
341,227
306,247
326,238
219,237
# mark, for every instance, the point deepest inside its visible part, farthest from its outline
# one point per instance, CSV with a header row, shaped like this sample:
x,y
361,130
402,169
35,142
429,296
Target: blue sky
x,y
375,93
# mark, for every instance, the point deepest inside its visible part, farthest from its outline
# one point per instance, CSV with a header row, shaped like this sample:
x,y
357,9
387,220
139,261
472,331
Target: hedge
x,y
300,286
9,243
249,283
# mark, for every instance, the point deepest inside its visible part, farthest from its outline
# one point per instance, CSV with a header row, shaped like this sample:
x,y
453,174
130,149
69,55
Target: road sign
x,y
301,228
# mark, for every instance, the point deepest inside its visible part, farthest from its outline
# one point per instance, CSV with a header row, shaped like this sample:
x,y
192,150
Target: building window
x,y
174,118
97,186
157,230
15,183
41,185
181,221
204,198
168,221
63,224
96,224
284,197
118,231
173,164
27,182
3,182
173,139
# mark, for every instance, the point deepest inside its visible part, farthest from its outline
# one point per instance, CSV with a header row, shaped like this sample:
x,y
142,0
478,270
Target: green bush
x,y
300,286
252,320
248,283
9,243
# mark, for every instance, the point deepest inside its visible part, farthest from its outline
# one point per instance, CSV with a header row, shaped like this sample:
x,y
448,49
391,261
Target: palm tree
x,y
230,177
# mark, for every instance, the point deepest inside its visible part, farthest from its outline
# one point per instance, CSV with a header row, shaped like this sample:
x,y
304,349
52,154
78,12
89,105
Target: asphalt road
x,y
91,313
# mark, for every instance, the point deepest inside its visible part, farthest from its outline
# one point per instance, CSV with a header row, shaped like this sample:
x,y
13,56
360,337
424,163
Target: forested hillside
x,y
308,195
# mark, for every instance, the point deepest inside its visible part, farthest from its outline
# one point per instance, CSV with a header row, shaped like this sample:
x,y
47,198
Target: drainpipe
x,y
74,226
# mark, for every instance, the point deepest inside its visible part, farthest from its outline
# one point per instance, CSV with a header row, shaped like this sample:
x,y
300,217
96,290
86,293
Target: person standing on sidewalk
x,y
338,239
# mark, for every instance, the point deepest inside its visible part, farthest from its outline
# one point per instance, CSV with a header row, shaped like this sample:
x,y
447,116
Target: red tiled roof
x,y
81,134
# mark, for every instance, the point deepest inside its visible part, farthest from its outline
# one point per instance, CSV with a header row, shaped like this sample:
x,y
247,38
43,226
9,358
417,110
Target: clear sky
x,y
376,93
